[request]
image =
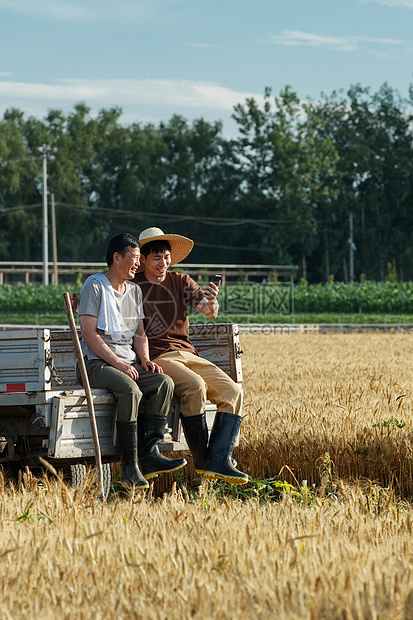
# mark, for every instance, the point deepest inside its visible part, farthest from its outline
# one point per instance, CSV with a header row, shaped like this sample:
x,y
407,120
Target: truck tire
x,y
78,474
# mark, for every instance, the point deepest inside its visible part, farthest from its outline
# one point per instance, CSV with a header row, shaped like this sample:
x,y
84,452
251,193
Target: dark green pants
x,y
152,393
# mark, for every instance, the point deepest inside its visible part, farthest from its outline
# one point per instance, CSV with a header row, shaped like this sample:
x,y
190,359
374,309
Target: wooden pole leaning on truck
x,y
86,386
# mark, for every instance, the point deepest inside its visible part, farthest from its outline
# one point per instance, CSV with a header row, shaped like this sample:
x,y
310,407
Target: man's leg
x,y
227,395
128,396
190,387
195,380
158,390
126,391
220,388
192,392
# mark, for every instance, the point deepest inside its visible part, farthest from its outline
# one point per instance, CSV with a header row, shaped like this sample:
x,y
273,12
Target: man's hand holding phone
x,y
212,289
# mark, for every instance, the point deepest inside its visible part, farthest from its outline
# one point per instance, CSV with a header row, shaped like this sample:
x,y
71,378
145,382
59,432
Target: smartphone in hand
x,y
216,279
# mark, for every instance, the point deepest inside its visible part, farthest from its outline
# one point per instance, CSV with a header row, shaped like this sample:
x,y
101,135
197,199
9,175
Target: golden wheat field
x,y
337,543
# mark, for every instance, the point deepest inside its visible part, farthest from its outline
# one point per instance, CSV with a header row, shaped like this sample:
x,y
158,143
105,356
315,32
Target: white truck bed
x,y
43,412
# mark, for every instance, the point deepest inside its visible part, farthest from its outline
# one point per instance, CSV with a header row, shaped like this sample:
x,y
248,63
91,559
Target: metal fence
x,y
26,272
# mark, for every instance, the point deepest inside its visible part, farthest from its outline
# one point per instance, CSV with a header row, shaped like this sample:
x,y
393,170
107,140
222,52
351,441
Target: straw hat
x,y
180,246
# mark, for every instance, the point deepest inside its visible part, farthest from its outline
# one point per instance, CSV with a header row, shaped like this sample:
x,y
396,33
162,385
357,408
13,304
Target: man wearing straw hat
x,y
165,297
116,353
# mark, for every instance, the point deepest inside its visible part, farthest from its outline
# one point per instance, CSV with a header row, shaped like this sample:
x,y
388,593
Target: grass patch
x,y
44,319
59,318
322,317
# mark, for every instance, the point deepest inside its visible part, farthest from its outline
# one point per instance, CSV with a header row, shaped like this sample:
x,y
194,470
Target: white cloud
x,y
183,93
90,11
201,45
342,44
61,10
296,38
404,3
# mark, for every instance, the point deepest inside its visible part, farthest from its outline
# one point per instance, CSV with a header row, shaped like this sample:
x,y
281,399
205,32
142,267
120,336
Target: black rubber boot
x,y
219,465
196,435
150,432
128,450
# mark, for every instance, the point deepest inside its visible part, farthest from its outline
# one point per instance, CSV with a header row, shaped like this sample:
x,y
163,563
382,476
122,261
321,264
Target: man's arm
x,y
141,347
209,306
99,347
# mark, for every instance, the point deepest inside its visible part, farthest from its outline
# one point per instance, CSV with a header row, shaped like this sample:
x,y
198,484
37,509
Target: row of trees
x,y
280,192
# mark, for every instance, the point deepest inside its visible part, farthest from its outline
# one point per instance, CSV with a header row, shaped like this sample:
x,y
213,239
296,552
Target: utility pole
x,y
54,238
352,248
45,150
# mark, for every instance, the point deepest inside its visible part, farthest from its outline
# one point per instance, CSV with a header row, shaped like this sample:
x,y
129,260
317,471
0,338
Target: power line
x,y
144,214
233,247
213,221
20,159
14,209
172,217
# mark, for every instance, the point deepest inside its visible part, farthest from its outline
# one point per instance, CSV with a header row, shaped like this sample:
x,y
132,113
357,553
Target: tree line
x,y
281,191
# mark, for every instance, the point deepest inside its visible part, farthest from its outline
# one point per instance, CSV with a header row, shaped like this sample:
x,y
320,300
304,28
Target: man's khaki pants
x,y
153,390
198,380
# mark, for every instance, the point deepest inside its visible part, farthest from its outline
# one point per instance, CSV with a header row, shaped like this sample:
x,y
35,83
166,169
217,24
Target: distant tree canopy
x,y
281,192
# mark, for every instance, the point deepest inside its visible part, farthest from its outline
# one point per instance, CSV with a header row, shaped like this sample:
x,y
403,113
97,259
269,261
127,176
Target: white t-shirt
x,y
130,311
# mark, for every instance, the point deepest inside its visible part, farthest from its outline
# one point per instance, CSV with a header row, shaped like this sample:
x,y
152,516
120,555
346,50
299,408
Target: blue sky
x,y
197,58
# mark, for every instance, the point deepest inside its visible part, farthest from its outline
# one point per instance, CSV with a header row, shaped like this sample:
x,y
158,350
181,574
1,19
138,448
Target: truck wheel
x,y
78,474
